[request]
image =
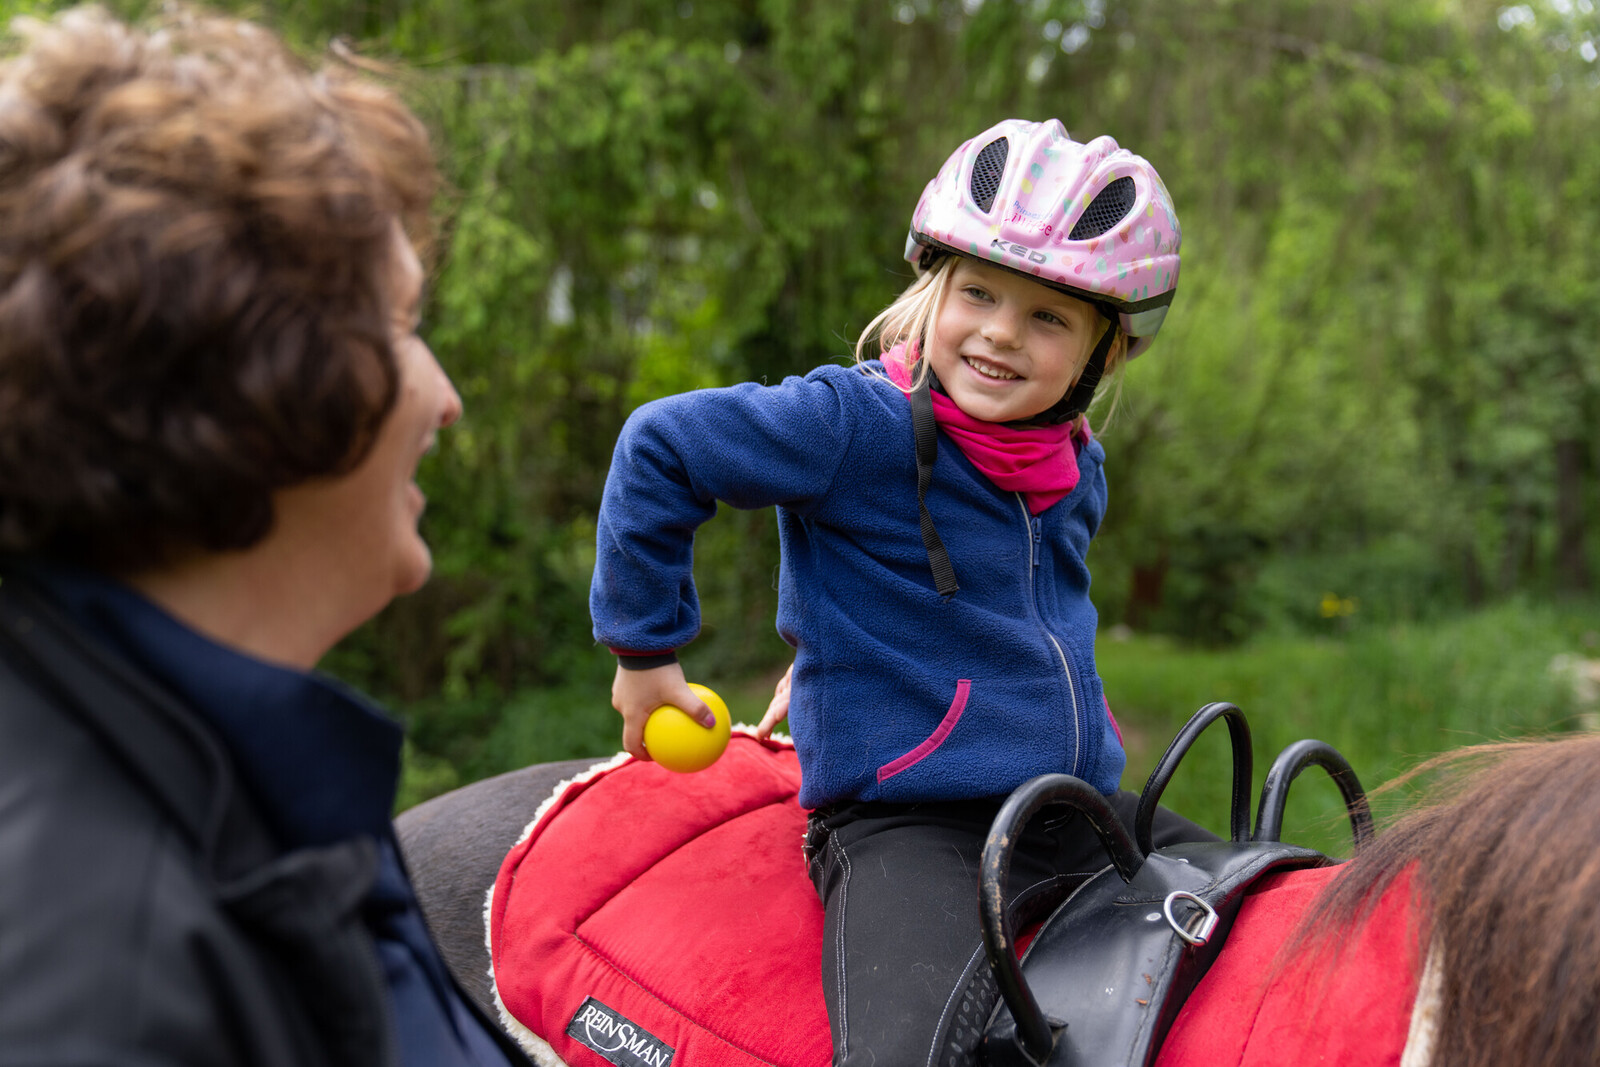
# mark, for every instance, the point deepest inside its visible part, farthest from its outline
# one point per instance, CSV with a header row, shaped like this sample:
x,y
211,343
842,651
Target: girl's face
x,y
1006,348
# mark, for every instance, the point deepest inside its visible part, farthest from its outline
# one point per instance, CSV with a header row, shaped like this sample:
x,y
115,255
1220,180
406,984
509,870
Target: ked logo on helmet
x,y
620,1040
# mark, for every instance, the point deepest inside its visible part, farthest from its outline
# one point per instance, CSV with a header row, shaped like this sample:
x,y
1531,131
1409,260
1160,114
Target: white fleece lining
x,y
534,1045
1425,1011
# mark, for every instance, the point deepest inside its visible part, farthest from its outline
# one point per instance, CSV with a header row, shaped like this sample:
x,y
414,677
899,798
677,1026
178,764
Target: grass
x,y
1386,697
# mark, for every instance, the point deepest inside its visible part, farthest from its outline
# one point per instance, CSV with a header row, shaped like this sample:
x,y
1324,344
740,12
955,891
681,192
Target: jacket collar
x,y
178,762
319,760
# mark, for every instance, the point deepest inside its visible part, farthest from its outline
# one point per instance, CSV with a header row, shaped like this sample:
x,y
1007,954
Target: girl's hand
x,y
778,710
637,693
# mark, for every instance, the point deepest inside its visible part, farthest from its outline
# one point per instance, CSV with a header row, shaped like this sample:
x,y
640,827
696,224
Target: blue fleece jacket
x,y
898,695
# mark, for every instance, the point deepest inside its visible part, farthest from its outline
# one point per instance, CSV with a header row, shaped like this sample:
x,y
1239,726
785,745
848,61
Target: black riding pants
x,y
904,972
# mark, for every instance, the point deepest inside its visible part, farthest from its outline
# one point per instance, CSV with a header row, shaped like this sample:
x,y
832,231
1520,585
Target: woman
x,y
212,404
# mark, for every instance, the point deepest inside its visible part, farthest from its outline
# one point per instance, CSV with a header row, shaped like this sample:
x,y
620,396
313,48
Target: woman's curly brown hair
x,y
194,227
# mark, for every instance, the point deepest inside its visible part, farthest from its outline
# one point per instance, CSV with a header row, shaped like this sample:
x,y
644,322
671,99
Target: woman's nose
x,y
453,407
450,405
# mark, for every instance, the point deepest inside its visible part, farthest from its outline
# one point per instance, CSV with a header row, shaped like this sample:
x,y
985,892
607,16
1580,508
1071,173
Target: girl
x,y
935,507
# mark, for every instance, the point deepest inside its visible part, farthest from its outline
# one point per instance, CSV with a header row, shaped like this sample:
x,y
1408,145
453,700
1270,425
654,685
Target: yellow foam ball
x,y
681,744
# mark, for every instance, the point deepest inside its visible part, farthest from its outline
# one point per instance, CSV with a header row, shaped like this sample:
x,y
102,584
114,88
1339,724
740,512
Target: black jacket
x,y
146,915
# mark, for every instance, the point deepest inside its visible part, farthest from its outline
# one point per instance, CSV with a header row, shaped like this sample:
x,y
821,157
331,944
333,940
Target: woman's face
x,y
426,404
362,526
1006,348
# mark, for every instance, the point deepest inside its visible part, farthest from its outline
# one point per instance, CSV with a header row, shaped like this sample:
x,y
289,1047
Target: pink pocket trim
x,y
1114,727
924,750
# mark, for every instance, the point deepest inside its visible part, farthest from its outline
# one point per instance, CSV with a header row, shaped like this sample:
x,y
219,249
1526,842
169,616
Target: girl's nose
x,y
1000,328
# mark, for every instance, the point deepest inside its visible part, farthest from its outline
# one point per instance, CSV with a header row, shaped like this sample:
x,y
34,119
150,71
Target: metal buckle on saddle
x,y
1201,924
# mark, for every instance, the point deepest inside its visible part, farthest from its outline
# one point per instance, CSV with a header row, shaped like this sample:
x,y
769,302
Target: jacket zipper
x,y
1035,547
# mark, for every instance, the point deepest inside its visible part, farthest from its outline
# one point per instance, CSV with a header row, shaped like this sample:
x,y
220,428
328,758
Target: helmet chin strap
x,y
1076,400
925,430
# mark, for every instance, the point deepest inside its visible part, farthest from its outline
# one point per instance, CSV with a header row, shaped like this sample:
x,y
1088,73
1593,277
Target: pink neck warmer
x,y
1040,462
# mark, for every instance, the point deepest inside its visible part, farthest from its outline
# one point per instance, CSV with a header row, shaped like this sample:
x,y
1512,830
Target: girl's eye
x,y
1051,317
976,292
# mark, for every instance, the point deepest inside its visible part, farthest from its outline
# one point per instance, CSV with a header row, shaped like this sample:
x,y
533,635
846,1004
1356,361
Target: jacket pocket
x,y
934,740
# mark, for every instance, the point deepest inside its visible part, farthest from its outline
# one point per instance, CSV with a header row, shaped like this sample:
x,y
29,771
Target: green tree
x,y
1378,383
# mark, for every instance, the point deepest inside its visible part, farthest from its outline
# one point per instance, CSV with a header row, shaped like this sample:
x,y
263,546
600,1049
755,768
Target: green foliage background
x,y
1372,410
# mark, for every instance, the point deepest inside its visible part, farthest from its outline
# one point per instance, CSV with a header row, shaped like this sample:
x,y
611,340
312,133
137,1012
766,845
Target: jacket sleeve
x,y
750,446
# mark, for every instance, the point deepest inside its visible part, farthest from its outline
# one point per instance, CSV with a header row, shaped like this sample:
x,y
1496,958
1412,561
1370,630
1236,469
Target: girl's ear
x,y
1119,345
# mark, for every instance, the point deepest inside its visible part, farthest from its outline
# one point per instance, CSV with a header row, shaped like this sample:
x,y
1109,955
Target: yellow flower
x,y
1337,607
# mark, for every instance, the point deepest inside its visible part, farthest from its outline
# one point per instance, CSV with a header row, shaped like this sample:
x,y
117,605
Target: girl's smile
x,y
1006,348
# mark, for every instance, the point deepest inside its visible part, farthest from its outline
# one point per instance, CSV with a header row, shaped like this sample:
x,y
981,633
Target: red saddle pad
x,y
648,918
1348,1003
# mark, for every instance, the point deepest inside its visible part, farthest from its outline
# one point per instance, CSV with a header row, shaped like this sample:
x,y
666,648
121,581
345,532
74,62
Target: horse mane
x,y
1504,857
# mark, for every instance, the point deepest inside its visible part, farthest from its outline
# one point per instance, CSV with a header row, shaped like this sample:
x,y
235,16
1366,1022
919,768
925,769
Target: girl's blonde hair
x,y
909,319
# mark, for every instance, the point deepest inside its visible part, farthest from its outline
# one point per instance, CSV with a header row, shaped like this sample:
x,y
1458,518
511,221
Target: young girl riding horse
x,y
935,507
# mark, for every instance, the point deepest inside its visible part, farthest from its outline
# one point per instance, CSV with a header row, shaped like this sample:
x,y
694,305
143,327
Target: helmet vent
x,y
987,171
1107,209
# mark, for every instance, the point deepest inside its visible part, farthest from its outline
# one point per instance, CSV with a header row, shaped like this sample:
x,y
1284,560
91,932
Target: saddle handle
x,y
1243,768
1290,762
999,939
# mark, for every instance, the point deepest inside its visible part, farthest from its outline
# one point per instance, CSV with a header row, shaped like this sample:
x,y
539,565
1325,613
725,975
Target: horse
x,y
454,844
1419,951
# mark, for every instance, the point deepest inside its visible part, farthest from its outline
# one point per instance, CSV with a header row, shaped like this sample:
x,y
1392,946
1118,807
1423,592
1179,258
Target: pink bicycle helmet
x,y
1092,220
